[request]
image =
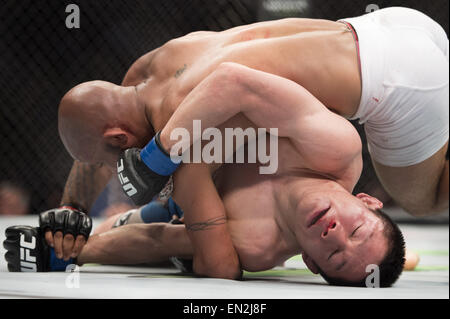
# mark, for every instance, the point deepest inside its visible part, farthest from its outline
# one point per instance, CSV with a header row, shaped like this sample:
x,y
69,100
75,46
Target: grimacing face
x,y
340,235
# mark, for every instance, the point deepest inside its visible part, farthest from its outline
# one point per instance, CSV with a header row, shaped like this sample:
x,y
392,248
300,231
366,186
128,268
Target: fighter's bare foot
x,y
412,260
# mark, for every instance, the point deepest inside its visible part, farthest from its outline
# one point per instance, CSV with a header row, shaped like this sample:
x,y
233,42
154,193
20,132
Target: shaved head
x,y
90,110
83,115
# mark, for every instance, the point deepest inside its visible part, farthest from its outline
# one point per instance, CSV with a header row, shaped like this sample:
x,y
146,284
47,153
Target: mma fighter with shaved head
x,y
339,63
251,221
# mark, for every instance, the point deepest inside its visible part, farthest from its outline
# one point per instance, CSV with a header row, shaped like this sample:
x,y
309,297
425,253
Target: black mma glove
x,y
67,219
27,251
144,173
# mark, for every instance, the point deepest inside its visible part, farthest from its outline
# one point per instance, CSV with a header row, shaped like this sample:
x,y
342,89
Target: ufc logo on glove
x,y
27,262
124,181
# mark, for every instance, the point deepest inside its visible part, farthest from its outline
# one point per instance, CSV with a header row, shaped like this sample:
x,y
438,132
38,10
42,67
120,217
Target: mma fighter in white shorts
x,y
388,68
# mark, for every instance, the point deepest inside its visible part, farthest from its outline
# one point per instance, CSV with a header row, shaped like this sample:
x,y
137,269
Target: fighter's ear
x,y
117,137
310,263
371,202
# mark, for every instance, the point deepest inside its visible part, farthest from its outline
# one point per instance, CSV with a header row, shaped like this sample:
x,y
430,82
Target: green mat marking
x,y
430,268
278,273
432,252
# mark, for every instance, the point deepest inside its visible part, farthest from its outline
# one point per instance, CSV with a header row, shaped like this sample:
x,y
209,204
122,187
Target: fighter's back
x,y
317,54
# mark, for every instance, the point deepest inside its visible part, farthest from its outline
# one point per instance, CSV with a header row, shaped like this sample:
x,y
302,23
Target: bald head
x,y
92,109
83,114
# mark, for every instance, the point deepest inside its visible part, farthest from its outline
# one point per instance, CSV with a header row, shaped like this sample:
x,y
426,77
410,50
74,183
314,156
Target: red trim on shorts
x,y
355,36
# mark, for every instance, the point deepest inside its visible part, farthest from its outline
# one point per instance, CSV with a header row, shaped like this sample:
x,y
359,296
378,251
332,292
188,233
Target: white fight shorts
x,y
404,60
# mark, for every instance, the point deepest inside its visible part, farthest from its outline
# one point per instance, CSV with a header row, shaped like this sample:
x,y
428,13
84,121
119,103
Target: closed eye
x,y
354,232
334,252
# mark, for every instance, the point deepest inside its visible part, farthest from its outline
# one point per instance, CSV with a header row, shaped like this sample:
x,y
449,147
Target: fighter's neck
x,y
153,94
146,108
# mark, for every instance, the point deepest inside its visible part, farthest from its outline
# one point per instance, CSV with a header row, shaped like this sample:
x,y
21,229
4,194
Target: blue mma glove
x,y
144,173
153,212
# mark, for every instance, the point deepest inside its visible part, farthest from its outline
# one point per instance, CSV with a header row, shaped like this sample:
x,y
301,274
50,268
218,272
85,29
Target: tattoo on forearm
x,y
180,71
210,223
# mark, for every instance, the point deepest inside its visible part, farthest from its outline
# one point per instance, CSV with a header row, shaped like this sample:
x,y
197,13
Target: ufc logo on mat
x,y
27,262
124,181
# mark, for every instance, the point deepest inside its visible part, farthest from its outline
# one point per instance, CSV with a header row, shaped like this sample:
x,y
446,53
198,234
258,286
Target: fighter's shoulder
x,y
140,69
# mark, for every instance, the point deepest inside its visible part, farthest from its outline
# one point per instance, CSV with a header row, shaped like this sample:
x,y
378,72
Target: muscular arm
x,y
206,223
137,244
204,237
84,184
269,101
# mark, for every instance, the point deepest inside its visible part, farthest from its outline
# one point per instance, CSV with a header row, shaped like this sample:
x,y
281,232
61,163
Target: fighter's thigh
x,y
414,187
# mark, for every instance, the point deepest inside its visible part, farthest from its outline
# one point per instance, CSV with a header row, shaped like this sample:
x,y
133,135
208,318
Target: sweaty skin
x,y
278,224
265,230
318,55
162,78
268,216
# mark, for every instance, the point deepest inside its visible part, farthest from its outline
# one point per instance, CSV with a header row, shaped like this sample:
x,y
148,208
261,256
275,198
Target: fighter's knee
x,y
440,206
425,210
418,212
